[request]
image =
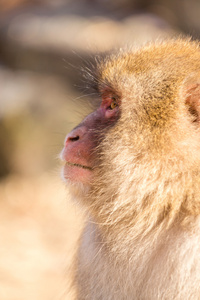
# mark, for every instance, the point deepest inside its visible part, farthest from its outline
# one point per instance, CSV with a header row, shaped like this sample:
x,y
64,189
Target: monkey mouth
x,y
78,165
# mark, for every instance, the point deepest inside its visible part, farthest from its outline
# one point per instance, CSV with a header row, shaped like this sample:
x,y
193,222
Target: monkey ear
x,y
191,94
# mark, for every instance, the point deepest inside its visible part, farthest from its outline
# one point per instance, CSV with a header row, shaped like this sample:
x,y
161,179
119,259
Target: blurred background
x,y
43,46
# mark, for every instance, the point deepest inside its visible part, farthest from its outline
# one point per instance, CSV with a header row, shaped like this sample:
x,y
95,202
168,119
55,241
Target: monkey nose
x,y
75,135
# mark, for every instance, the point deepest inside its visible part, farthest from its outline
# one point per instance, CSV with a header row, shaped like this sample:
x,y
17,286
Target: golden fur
x,y
142,240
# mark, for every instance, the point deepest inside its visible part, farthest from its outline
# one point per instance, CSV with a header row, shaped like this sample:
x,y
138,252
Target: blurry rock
x,y
82,33
8,5
189,18
40,41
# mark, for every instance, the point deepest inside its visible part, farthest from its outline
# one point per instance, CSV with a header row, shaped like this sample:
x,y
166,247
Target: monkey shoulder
x,y
169,268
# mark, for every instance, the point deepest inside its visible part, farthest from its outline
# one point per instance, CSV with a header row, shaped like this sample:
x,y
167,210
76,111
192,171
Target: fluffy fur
x,y
143,237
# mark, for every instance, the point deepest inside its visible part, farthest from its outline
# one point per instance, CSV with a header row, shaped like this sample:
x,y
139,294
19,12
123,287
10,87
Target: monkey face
x,y
148,116
79,152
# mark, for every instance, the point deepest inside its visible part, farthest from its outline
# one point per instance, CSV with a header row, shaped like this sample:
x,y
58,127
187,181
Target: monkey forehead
x,y
170,58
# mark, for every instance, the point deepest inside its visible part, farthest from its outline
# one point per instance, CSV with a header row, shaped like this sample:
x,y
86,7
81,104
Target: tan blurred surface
x,y
38,232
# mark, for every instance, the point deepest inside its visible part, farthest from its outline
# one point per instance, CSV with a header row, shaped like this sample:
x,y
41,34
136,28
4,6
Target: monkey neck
x,y
151,203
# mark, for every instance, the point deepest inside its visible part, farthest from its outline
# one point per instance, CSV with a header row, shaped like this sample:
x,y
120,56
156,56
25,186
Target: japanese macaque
x,y
135,165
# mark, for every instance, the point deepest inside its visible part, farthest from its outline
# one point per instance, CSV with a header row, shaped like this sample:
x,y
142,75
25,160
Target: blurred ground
x,y
43,44
38,233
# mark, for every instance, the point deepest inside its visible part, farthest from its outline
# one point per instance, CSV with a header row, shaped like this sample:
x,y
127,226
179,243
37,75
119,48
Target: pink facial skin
x,y
80,144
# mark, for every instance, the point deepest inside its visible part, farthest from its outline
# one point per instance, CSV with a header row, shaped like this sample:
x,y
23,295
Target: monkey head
x,y
146,133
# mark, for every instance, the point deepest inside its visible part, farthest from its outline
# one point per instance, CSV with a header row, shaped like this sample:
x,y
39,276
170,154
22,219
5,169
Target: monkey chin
x,y
77,179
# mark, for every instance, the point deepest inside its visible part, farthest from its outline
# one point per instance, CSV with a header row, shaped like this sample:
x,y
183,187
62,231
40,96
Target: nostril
x,y
74,138
75,135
